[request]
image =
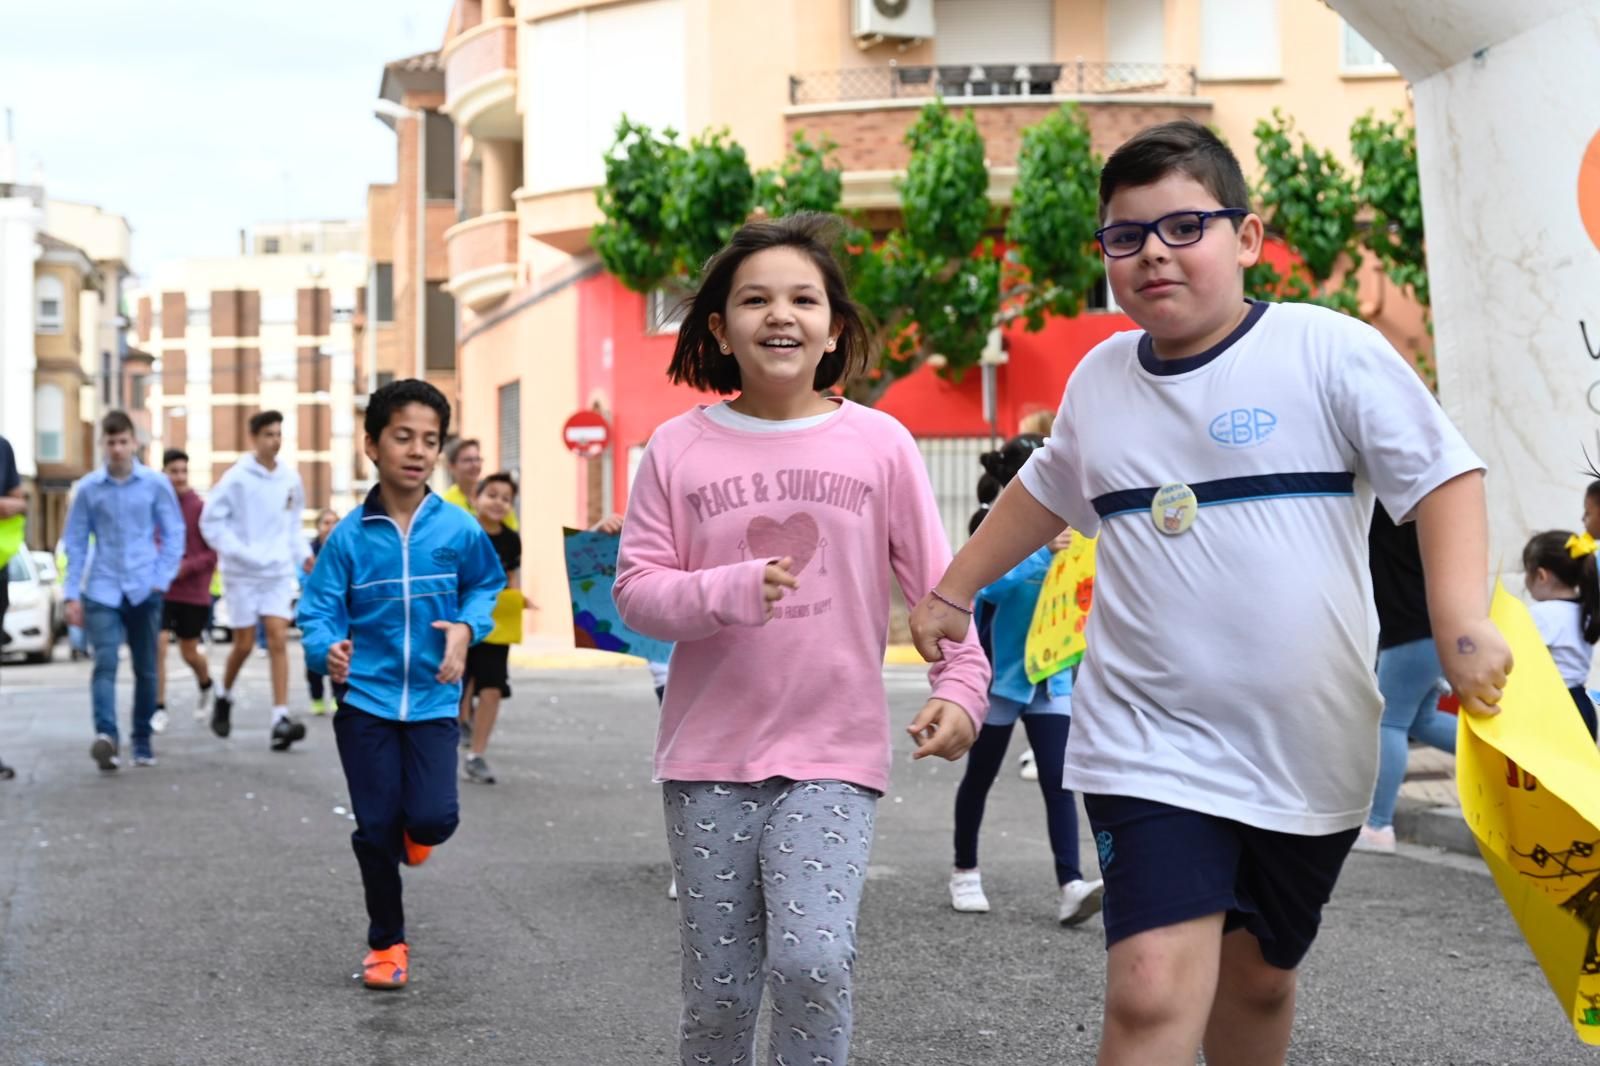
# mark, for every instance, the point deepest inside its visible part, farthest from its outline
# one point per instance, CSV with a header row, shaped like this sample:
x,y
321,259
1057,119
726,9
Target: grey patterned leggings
x,y
769,885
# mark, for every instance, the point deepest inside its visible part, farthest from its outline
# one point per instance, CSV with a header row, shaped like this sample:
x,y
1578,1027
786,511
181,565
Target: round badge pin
x,y
1174,509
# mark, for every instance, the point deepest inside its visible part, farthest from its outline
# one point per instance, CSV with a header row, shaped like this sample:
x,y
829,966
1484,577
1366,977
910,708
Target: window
x,y
52,303
441,157
441,310
1004,32
1357,56
197,314
664,310
510,404
1101,298
107,379
383,291
1239,39
269,246
1135,35
50,421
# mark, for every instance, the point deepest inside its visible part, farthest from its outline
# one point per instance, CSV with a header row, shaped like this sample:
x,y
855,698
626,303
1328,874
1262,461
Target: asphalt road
x,y
208,910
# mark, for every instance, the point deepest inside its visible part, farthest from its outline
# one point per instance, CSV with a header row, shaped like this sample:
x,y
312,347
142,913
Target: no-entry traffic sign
x,y
586,434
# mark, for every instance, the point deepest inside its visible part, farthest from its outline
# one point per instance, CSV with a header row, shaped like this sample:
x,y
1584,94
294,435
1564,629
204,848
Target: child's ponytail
x,y
999,467
1589,599
1570,559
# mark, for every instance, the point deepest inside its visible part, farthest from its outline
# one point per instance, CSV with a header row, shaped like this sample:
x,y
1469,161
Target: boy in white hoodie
x,y
253,518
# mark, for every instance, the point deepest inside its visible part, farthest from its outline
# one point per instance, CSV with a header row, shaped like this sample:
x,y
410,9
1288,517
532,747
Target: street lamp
x,y
385,108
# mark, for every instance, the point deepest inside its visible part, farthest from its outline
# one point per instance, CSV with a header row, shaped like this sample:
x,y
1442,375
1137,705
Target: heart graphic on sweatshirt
x,y
796,537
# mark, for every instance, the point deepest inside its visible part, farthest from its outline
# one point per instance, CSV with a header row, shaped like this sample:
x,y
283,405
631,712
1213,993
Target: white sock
x,y
279,713
222,690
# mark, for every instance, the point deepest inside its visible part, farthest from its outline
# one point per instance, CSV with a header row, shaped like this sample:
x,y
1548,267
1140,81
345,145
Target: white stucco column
x,y
19,227
1508,143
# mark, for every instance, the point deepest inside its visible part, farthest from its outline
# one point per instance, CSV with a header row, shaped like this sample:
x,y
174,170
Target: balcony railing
x,y
1071,78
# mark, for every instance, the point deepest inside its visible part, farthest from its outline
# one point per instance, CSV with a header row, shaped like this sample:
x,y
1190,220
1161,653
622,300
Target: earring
x,y
724,349
830,345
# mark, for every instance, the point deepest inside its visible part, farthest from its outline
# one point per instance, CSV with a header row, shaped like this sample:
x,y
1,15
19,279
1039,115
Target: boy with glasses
x,y
1224,719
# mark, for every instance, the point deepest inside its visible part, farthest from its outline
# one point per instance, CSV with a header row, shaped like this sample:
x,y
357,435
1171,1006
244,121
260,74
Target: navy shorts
x,y
1164,865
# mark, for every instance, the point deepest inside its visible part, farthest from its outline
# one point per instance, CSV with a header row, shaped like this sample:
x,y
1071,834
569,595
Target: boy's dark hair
x,y
502,477
173,455
262,419
1549,550
1184,147
116,422
455,447
382,404
1593,491
698,361
999,467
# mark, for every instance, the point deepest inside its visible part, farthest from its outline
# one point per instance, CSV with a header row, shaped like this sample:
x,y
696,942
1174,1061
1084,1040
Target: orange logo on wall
x,y
1589,190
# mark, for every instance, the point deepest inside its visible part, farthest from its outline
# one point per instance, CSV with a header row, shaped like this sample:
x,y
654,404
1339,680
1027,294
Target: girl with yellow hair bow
x,y
1559,568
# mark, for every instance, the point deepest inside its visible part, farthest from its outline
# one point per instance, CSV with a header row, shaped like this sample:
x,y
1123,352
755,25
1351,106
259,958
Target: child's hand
x,y
933,620
339,661
610,524
1476,660
1062,540
457,635
942,728
777,578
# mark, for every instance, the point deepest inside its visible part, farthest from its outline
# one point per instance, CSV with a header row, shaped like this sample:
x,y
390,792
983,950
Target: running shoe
x,y
319,707
1376,841
202,701
476,769
285,731
104,752
1080,901
159,720
1027,766
222,716
966,892
416,854
387,970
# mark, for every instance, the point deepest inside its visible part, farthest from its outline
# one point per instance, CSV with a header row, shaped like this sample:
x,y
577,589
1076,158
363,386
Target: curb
x,y
1434,826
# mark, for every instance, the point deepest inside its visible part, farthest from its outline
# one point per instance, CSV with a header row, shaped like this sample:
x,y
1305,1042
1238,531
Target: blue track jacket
x,y
384,591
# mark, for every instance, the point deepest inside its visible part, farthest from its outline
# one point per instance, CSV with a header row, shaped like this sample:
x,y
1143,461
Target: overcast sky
x,y
196,118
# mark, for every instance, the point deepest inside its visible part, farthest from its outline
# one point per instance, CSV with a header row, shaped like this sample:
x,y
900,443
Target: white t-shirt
x,y
723,415
1229,668
1560,625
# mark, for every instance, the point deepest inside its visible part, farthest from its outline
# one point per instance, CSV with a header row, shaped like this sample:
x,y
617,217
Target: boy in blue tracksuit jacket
x,y
401,587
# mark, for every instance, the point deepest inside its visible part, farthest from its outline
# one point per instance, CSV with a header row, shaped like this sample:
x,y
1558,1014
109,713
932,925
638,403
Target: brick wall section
x,y
316,477
174,315
875,139
315,427
314,310
145,320
177,434
235,313
230,427
174,371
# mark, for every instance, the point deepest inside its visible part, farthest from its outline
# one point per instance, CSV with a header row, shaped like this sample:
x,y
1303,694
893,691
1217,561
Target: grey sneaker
x,y
159,721
476,769
104,752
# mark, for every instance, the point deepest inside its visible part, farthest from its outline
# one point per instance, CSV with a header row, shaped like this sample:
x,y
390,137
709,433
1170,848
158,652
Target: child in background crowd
x,y
488,678
1004,613
327,518
761,536
1559,569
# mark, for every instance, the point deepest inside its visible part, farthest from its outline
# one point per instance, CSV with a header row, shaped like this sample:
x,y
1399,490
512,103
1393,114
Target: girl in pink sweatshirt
x,y
761,536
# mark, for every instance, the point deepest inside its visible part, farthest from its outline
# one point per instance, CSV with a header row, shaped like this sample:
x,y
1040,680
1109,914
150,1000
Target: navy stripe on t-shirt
x,y
1234,490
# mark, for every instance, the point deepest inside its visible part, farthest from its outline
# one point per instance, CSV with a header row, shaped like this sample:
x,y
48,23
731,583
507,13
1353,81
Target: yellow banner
x,y
1529,781
1056,634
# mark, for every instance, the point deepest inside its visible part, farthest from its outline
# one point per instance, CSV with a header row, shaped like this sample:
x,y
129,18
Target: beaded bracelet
x,y
948,602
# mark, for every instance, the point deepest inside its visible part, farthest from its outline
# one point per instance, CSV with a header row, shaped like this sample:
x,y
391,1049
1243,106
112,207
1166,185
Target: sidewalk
x,y
1429,812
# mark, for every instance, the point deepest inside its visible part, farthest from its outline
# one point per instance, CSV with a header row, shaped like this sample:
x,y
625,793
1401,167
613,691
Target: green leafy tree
x,y
1387,153
711,195
1054,212
806,180
634,240
1308,199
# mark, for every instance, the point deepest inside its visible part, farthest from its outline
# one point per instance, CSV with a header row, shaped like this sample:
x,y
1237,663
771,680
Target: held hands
x,y
1476,660
941,728
933,620
339,661
774,580
457,635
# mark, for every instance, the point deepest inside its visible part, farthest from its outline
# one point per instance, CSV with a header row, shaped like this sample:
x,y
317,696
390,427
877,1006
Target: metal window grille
x,y
953,469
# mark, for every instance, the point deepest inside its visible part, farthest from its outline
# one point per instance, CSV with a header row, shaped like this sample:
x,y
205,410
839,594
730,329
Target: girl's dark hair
x,y
1593,491
1549,551
698,361
999,467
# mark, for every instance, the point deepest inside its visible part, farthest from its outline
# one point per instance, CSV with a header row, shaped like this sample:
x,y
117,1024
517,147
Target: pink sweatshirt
x,y
800,696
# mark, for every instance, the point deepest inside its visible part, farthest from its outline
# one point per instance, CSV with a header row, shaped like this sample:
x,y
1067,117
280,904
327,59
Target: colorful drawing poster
x,y
591,572
1056,635
1529,780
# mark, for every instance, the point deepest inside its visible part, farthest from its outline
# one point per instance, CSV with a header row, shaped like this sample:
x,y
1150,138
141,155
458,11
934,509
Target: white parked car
x,y
45,564
29,620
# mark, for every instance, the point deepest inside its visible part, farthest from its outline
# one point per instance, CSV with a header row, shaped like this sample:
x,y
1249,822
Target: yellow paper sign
x,y
1529,781
1056,634
507,617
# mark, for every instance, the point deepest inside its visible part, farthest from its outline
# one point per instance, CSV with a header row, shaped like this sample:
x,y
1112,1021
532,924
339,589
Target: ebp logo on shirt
x,y
1243,427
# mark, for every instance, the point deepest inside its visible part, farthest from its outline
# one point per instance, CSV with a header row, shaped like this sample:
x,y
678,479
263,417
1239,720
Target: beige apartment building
x,y
534,89
274,328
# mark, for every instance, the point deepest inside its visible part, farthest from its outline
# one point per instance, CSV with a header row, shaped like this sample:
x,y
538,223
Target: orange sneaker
x,y
388,969
416,854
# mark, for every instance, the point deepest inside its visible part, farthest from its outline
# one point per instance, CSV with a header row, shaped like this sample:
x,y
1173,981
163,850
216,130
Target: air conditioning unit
x,y
901,19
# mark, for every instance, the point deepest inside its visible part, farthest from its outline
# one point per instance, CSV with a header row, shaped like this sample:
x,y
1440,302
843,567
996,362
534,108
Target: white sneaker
x,y
1080,901
159,721
1027,766
672,889
1375,841
202,702
966,892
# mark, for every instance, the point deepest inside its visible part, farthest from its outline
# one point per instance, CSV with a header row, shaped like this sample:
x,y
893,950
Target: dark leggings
x,y
1585,708
1048,735
314,682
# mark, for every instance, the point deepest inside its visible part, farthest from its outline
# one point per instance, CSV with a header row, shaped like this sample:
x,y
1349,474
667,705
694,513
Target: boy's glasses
x,y
1176,230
